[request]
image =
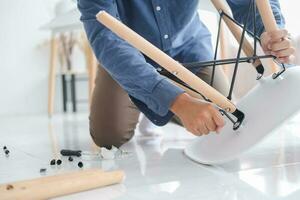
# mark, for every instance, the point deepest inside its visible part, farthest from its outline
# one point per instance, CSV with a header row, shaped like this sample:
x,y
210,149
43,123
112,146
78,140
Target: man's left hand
x,y
278,43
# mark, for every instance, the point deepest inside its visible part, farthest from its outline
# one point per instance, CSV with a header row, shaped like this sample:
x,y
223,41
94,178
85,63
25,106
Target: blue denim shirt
x,y
173,26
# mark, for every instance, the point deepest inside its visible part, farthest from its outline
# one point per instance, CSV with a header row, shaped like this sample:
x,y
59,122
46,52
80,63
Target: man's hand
x,y
197,117
278,43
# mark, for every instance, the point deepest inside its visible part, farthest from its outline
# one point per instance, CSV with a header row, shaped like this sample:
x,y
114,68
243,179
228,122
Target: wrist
x,y
180,102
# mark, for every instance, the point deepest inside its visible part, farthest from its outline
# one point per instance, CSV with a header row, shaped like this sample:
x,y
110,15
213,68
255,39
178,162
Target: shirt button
x,y
166,36
158,8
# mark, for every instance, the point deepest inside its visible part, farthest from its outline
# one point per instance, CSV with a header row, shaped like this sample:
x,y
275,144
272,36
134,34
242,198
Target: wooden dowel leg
x,y
53,141
224,47
93,70
91,65
58,185
52,74
266,13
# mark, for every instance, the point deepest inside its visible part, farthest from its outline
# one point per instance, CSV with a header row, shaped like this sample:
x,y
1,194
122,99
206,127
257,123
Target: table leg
x,y
73,92
52,74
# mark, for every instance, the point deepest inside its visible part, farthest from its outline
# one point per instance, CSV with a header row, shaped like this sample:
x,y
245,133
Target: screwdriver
x,y
77,153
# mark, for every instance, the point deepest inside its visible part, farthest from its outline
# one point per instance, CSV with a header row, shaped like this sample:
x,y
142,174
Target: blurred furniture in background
x,y
66,33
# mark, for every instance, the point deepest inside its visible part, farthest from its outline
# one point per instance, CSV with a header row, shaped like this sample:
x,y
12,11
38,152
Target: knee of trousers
x,y
107,136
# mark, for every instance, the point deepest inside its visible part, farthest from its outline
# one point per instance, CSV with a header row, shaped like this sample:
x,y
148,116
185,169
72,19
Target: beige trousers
x,y
113,117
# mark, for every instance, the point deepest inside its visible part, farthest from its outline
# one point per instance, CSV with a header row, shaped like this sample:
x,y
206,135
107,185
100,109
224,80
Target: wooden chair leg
x,y
53,141
91,64
223,46
93,69
52,74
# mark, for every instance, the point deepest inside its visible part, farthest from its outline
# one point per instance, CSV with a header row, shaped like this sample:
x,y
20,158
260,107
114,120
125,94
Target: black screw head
x,y
70,159
4,147
6,152
80,164
58,162
42,170
52,162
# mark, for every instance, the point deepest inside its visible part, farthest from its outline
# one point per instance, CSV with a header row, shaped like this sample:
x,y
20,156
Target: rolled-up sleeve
x,y
123,62
240,9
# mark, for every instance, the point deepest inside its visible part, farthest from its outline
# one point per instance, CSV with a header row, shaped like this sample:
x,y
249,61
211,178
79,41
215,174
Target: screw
x,y
175,73
52,162
70,159
227,109
9,187
42,170
6,152
80,164
58,162
4,147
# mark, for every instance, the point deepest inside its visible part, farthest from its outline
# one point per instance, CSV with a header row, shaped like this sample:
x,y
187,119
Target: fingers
x,y
203,130
283,44
283,50
287,59
284,59
218,130
283,53
265,38
207,127
203,126
219,120
193,129
279,45
198,130
213,123
203,119
278,35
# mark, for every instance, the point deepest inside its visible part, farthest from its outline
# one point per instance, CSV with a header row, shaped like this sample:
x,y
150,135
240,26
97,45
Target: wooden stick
x,y
224,47
53,140
52,74
266,13
221,5
91,65
58,185
165,61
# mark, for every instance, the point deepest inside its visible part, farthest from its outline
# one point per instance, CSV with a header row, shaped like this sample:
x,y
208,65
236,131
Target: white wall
x,y
23,64
290,9
291,12
24,58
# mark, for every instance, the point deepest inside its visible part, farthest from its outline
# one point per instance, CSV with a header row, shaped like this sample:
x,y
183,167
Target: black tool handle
x,y
67,152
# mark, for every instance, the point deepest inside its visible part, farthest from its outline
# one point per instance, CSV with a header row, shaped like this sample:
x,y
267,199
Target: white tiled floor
x,y
156,168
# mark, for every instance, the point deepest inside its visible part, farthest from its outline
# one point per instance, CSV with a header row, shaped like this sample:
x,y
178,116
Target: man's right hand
x,y
198,117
